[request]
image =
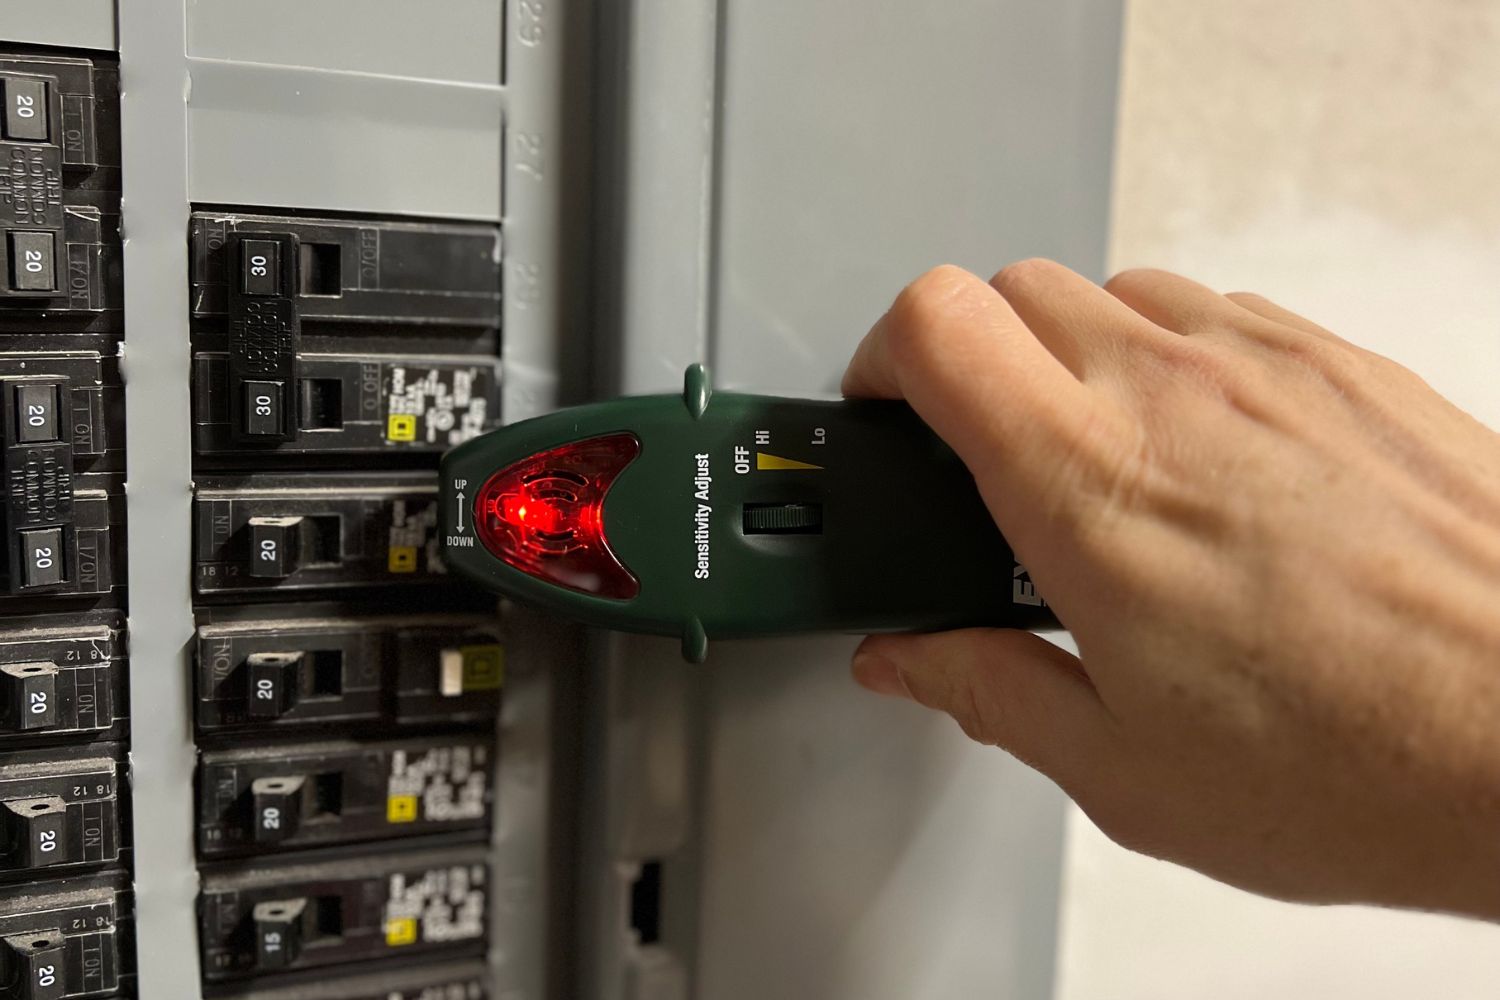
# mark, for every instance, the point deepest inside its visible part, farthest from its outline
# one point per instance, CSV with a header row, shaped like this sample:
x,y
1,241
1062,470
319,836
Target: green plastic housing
x,y
905,542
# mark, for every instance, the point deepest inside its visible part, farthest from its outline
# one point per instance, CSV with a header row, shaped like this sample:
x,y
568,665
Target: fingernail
x,y
879,675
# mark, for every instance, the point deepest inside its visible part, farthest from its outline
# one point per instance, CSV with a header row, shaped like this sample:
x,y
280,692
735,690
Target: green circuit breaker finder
x,y
731,515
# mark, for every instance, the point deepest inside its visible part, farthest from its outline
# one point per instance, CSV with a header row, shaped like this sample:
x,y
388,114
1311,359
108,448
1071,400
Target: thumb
x,y
1006,688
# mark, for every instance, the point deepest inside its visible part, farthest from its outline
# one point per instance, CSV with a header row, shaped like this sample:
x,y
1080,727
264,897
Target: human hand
x,y
1279,555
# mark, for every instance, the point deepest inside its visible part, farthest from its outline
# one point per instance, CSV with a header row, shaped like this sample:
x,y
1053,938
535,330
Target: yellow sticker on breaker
x,y
402,930
484,667
402,559
401,427
401,809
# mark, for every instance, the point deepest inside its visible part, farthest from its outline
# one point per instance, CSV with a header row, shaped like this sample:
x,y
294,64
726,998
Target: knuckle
x,y
925,308
1315,353
1198,362
1135,279
936,289
1024,274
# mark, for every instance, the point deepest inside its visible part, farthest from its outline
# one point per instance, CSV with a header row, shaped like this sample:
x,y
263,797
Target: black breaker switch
x,y
33,261
38,471
36,965
36,412
41,558
278,932
265,334
25,108
260,267
274,683
36,832
28,697
275,808
276,545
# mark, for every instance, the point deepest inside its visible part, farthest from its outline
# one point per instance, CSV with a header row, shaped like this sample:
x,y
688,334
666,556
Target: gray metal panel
x,y
548,210
967,131
867,844
875,140
80,24
307,138
549,53
655,182
453,40
664,180
842,846
158,421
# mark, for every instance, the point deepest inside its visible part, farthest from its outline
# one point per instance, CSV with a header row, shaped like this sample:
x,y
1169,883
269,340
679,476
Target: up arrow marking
x,y
460,499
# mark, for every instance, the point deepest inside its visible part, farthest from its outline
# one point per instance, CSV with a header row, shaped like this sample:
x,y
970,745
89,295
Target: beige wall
x,y
1343,157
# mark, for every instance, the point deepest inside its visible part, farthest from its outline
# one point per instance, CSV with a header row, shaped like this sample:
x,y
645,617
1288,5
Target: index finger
x,y
955,350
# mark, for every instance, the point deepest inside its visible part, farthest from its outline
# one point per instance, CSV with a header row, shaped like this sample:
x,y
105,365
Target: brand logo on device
x,y
1022,590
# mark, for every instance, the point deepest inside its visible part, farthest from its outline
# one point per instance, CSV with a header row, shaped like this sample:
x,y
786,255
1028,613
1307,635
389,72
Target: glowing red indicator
x,y
544,515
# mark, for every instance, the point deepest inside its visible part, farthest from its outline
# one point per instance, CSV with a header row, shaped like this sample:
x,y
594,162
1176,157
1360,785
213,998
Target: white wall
x,y
1342,157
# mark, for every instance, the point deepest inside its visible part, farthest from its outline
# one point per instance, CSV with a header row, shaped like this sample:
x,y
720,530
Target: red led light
x,y
544,515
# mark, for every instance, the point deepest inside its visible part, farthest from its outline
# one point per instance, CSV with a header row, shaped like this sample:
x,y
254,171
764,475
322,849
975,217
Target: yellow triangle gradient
x,y
767,463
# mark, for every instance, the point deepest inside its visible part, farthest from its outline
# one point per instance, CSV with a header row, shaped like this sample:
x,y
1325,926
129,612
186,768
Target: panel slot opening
x,y
645,903
324,538
328,917
327,795
322,404
325,676
318,273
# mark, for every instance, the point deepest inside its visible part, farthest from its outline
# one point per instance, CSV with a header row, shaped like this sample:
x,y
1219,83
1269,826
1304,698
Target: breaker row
x,y
346,690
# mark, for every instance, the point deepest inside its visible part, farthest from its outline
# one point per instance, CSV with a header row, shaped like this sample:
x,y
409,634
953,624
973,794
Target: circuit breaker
x,y
261,266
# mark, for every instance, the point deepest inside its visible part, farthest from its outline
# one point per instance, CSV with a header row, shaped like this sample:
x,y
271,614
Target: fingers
x,y
954,349
1171,301
1005,688
1085,327
1183,306
1266,309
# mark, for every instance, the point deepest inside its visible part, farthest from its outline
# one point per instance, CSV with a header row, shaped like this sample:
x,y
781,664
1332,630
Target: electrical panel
x,y
60,193
332,361
68,938
283,918
344,691
337,672
255,742
279,798
66,908
442,981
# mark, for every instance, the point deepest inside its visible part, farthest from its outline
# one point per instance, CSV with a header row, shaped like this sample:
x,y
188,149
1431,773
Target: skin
x,y
1279,555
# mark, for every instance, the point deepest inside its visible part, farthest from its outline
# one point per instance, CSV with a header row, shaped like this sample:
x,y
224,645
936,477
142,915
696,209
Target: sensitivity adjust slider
x,y
783,518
